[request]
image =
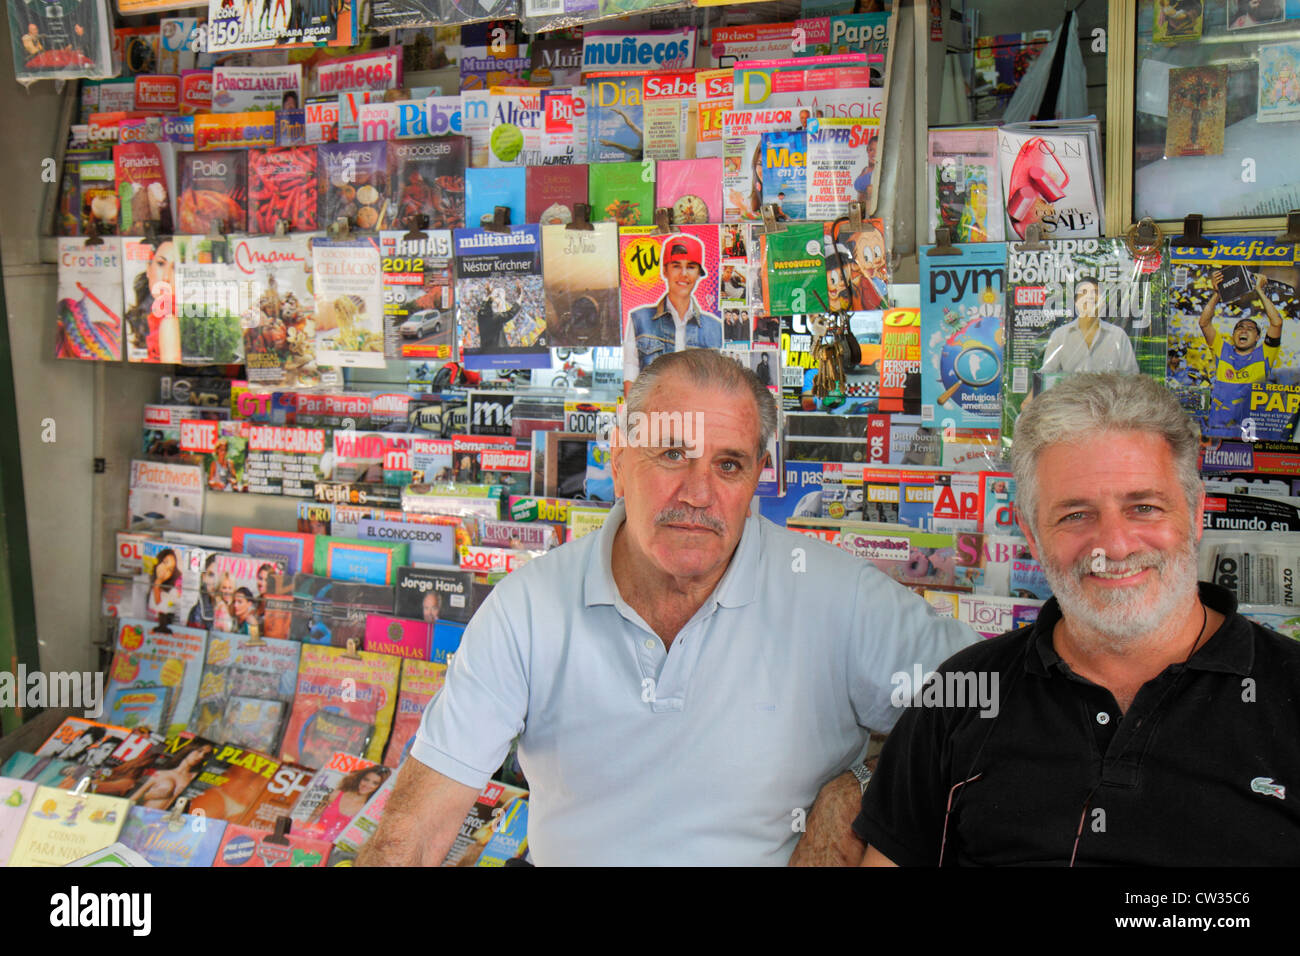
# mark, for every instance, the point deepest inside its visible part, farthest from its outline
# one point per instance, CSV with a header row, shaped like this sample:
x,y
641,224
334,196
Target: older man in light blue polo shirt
x,y
683,682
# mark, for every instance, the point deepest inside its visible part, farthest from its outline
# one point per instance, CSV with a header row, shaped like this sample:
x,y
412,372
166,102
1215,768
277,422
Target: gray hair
x,y
708,368
1089,403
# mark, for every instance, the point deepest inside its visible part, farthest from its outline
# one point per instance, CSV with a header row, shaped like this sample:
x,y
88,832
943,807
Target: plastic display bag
x,y
60,41
542,15
1072,99
476,11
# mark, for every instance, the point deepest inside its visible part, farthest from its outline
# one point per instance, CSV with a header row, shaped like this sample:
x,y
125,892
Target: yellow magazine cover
x,y
63,826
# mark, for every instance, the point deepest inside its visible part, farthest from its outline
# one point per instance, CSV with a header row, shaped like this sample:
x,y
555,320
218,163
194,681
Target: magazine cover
x,y
553,191
399,637
230,782
144,656
962,300
794,273
359,561
244,846
862,261
690,188
213,191
62,826
965,185
514,128
430,543
500,298
669,116
421,681
841,162
348,281
99,204
15,802
362,688
785,173
241,669
665,276
60,41
175,577
282,186
145,186
277,798
263,24
1047,179
352,184
582,280
1232,358
900,361
1083,305
480,823
153,332
334,612
1198,100
214,292
164,495
90,306
278,321
485,189
338,791
429,594
813,86
564,126
363,826
623,193
186,840
245,89
242,583
865,33
1279,83
615,119
509,840
419,295
427,178
736,284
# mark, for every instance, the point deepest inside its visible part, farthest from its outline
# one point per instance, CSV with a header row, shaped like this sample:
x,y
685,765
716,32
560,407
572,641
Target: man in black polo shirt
x,y
1142,720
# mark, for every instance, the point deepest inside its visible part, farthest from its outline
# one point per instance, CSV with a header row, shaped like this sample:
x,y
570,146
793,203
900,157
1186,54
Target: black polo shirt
x,y
1203,770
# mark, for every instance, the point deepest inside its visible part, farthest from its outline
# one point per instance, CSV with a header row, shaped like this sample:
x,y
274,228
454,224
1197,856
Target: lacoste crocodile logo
x,y
1266,786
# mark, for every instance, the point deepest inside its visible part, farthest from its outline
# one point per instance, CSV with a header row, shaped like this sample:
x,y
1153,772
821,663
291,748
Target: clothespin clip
x,y
770,222
163,625
217,237
663,221
858,215
1033,239
174,821
339,229
1292,233
943,243
1193,226
419,222
1144,238
255,640
500,220
281,833
581,218
95,238
351,650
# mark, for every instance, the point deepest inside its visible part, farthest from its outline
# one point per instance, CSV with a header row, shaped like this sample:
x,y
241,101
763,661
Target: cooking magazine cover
x,y
352,184
145,174
282,186
213,295
348,280
553,191
279,320
581,270
213,191
1083,305
500,304
88,314
419,294
361,689
427,178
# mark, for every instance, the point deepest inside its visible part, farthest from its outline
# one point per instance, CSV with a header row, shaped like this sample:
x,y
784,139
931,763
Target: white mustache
x,y
683,516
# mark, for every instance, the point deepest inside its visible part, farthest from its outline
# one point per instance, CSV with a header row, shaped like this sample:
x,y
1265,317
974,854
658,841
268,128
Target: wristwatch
x,y
863,773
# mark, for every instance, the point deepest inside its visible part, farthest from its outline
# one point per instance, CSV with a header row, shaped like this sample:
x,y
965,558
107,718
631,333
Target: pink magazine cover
x,y
691,188
399,636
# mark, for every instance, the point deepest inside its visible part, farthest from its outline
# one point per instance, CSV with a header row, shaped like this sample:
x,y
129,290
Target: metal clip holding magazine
x,y
95,238
1193,224
282,228
663,221
351,651
581,218
281,833
339,229
943,243
857,215
770,223
150,230
1033,239
1292,233
255,641
419,222
500,220
83,786
1144,239
174,821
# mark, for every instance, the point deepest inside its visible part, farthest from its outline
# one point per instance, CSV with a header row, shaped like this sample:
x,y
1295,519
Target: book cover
x,y
500,298
965,186
421,680
244,846
213,191
146,656
353,184
485,189
143,172
277,799
623,193
337,793
348,281
400,637
90,305
359,560
430,594
691,188
1075,307
165,495
357,689
419,295
333,612
229,782
615,119
785,173
582,285
962,314
552,192
427,178
294,550
794,275
62,826
187,840
15,801
213,294
662,276
282,186
1198,99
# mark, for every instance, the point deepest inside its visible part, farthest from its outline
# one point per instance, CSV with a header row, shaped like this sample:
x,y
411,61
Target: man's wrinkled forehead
x,y
688,413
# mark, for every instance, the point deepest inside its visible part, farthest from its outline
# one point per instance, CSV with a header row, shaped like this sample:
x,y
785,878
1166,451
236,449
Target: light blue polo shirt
x,y
709,753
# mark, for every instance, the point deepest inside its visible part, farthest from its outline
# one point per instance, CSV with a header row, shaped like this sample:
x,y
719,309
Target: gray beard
x,y
1119,621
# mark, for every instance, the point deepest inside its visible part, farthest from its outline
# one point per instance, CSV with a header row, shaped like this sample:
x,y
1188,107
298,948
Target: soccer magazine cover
x,y
1232,358
1082,305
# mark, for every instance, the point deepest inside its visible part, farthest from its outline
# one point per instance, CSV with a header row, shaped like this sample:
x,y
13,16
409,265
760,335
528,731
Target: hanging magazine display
x,y
89,309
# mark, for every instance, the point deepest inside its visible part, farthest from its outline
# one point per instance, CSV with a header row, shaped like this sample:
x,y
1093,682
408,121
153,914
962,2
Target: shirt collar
x,y
1229,650
737,587
668,309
